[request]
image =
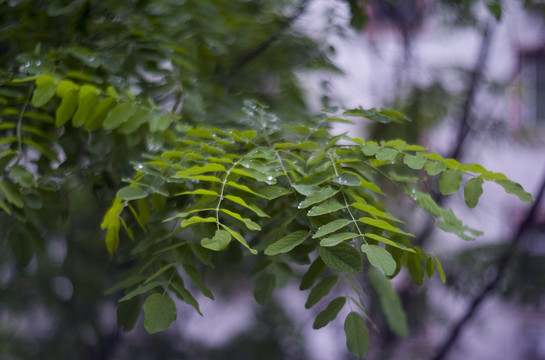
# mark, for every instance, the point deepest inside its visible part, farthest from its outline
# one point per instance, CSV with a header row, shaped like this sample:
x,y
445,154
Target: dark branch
x,y
464,125
501,267
253,53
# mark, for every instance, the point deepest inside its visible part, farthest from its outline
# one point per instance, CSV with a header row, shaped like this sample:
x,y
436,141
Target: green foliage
x,y
184,175
213,186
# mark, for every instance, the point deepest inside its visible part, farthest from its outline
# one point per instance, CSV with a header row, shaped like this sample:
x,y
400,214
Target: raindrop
x,y
270,178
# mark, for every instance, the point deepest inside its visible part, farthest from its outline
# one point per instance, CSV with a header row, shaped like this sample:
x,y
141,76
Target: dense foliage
x,y
135,111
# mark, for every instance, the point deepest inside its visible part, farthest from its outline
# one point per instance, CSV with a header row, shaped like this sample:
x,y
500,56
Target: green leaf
x,y
264,287
197,219
119,115
67,108
317,178
338,238
140,117
388,242
389,302
131,193
307,145
331,227
386,154
426,202
112,214
472,191
197,170
371,114
357,334
306,190
200,192
373,211
87,101
380,257
453,164
159,313
248,222
414,265
160,123
240,201
435,167
430,267
320,290
440,270
489,175
316,269
318,196
112,237
347,179
241,187
495,8
196,277
370,148
94,122
45,90
239,238
22,176
271,192
326,207
255,175
141,289
287,243
5,206
382,225
515,189
177,286
342,257
219,242
127,313
450,181
475,168
415,162
329,313
13,196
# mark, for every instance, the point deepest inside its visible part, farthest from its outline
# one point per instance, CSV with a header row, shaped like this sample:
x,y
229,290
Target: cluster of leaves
x,y
287,194
286,199
199,59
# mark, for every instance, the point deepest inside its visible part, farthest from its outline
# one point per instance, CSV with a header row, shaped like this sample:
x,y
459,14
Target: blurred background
x,y
469,74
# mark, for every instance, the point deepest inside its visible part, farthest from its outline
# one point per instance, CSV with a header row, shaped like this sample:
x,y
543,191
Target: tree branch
x,y
503,263
253,53
464,127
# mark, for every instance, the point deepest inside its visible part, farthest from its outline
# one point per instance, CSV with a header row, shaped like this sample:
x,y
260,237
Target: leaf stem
x,y
20,126
344,199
